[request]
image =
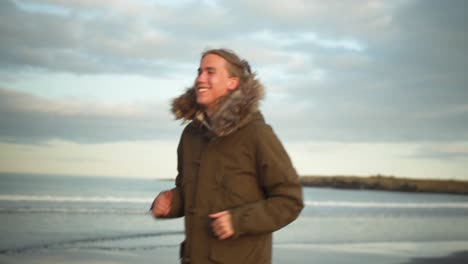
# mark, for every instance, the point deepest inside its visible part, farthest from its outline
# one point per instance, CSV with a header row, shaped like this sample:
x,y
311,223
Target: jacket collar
x,y
234,110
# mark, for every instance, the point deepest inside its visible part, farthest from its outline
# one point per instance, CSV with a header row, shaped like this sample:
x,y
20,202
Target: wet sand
x,y
72,256
169,255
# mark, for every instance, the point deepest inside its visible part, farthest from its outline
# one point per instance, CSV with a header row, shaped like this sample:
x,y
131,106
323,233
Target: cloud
x,y
80,42
376,71
439,151
31,119
152,38
406,84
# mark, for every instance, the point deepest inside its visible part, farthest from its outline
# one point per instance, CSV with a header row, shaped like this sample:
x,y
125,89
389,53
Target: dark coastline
x,y
454,258
387,183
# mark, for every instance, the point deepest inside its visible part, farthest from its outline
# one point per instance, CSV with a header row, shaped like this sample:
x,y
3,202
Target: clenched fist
x,y
162,204
222,224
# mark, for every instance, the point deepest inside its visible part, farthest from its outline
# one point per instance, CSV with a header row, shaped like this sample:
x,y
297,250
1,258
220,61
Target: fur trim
x,y
234,109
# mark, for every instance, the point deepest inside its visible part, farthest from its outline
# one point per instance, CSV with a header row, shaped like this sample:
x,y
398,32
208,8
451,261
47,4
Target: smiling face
x,y
213,81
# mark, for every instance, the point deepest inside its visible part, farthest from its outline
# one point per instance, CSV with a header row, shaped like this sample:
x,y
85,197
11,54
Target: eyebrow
x,y
207,69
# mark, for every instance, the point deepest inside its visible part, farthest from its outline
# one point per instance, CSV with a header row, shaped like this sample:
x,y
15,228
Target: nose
x,y
200,78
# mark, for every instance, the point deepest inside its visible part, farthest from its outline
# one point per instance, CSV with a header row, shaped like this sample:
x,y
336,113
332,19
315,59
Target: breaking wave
x,y
459,205
51,198
121,211
148,200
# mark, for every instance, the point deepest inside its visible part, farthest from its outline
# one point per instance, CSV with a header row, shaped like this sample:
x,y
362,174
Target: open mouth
x,y
202,90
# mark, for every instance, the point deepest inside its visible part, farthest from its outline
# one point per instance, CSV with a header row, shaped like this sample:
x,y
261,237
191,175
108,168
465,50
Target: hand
x,y
222,224
162,204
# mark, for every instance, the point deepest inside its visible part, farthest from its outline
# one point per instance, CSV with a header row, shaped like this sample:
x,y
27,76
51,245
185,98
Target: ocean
x,y
64,219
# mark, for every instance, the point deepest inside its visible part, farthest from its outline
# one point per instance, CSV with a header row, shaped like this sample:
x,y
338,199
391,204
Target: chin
x,y
203,103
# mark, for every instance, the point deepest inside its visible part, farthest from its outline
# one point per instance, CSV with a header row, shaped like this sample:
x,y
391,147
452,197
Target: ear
x,y
233,83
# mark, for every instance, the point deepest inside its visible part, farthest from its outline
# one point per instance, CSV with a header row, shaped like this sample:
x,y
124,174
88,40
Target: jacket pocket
x,y
239,189
230,191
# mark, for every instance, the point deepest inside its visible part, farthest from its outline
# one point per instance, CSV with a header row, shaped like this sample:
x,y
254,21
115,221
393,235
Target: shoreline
x,y
298,255
386,183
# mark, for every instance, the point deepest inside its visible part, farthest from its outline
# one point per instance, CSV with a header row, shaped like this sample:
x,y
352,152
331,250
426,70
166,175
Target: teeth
x,y
201,90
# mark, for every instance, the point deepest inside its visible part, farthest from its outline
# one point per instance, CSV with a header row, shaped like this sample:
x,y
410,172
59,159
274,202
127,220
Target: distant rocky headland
x,y
387,183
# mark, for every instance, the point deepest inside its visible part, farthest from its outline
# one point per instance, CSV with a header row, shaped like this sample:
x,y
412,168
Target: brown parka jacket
x,y
233,162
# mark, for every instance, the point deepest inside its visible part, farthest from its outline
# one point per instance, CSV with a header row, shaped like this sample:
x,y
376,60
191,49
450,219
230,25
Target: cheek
x,y
214,83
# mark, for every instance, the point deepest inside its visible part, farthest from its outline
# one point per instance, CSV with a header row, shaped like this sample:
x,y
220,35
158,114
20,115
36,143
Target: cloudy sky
x,y
353,87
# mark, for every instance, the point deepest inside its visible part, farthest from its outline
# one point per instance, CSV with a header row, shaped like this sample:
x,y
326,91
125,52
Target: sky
x,y
352,87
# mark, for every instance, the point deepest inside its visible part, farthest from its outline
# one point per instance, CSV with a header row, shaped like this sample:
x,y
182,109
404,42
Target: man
x,y
235,182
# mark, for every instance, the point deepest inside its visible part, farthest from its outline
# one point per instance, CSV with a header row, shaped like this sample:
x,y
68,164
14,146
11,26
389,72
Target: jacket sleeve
x,y
177,204
279,181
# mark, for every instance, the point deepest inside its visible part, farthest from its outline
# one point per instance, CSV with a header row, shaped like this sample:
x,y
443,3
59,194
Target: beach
x,y
54,219
403,254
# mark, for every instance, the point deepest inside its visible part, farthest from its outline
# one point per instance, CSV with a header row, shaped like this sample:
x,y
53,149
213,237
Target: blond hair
x,y
235,66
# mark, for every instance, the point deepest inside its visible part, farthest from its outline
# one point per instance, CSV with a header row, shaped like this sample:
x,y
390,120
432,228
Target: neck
x,y
209,111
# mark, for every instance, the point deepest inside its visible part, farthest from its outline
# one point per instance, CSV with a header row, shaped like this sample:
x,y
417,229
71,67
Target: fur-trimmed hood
x,y
234,109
